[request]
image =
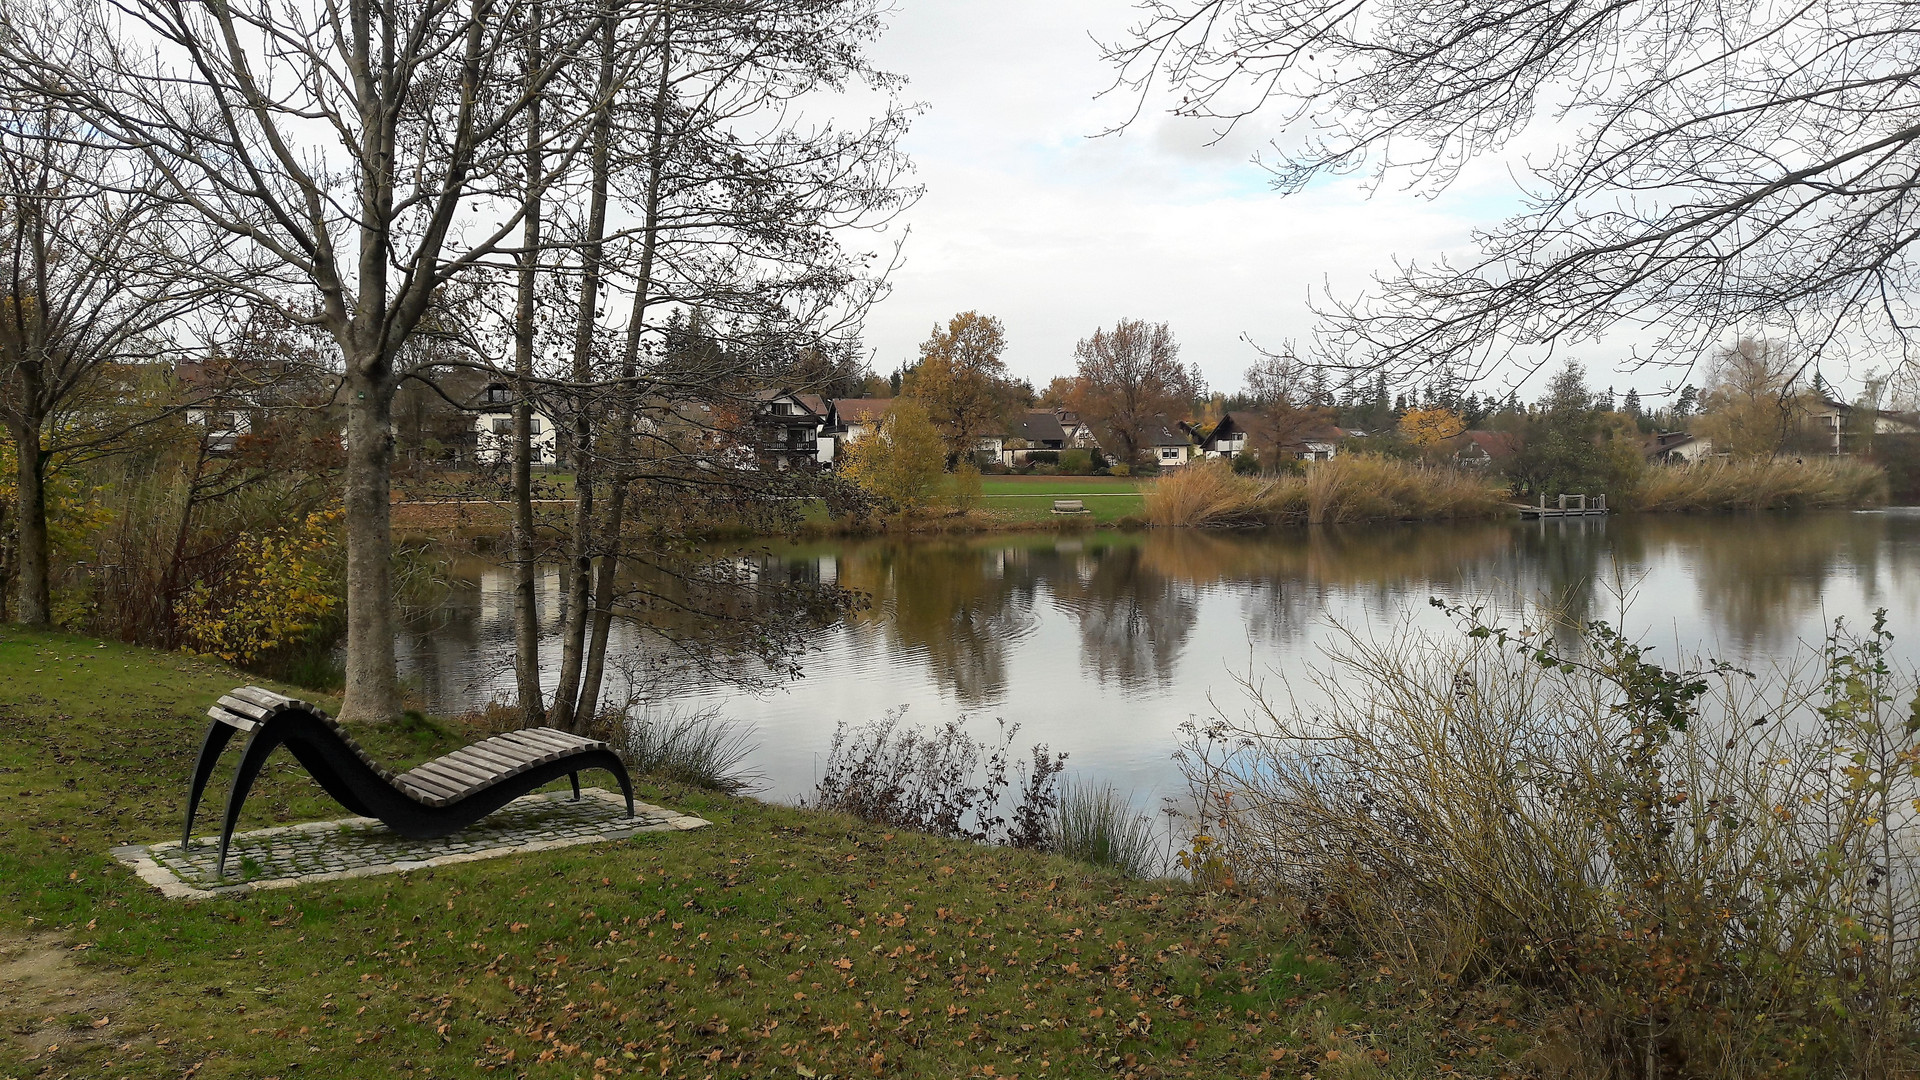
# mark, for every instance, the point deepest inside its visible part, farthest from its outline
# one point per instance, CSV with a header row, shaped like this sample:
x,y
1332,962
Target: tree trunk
x,y
566,698
372,689
607,581
526,614
36,595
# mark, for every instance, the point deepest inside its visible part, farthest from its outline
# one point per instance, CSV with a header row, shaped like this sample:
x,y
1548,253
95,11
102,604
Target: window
x,y
785,408
1169,453
496,394
503,425
533,424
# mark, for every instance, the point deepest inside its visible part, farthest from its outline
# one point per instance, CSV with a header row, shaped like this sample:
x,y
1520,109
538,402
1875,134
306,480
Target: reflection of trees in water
x,y
1134,618
1758,575
961,605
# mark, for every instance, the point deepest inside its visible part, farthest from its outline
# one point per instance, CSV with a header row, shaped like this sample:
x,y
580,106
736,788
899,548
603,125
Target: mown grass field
x,y
780,942
1030,498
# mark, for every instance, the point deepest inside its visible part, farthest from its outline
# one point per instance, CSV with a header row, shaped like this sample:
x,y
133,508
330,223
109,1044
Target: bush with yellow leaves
x,y
283,586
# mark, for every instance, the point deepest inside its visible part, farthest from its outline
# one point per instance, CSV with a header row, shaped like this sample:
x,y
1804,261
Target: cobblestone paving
x,y
356,847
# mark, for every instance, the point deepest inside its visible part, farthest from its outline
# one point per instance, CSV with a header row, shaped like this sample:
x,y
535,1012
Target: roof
x,y
813,403
1494,444
1161,431
1037,427
866,411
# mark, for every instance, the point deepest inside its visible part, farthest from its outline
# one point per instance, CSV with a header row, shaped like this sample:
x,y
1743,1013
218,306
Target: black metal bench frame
x,y
433,800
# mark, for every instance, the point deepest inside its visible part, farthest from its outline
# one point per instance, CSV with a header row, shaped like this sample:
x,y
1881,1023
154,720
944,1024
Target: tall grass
x,y
1348,489
700,747
1695,872
1094,823
1723,485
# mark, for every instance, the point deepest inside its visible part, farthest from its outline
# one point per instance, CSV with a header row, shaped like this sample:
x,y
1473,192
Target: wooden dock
x,y
1566,506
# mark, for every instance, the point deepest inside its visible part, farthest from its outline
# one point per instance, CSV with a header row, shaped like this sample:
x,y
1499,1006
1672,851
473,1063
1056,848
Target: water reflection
x,y
1101,644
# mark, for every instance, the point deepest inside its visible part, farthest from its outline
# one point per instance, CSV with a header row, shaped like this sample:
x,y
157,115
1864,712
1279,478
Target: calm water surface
x,y
1100,645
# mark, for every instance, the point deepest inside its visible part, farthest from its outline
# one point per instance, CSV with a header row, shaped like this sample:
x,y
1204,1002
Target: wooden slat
x,y
457,781
505,757
266,699
542,751
559,740
430,784
231,718
244,707
453,766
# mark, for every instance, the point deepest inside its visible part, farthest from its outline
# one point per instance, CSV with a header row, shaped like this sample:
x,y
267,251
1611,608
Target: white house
x,y
493,429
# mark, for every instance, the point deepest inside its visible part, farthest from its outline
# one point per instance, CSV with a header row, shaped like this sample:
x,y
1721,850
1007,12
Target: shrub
x,y
1694,871
1043,457
1096,824
1076,462
966,486
283,587
946,783
1246,464
902,462
1120,469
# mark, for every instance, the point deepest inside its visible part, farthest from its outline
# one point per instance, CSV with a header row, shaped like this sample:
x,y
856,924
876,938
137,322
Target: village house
x,y
1482,449
1029,433
1226,439
1676,448
1839,424
1166,443
787,426
492,428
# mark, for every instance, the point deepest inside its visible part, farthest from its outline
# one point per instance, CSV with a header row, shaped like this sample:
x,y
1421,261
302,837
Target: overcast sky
x,y
1028,218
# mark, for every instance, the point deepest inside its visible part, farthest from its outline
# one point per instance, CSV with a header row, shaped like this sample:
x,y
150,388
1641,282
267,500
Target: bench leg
x,y
217,738
574,779
619,771
251,761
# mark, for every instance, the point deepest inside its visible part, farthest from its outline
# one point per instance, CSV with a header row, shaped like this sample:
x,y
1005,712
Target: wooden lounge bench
x,y
1068,506
440,797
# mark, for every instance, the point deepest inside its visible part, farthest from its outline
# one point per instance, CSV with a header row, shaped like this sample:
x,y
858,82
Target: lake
x,y
1101,643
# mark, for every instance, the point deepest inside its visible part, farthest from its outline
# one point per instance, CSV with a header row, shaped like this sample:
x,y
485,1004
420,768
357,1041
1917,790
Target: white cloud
x,y
1028,218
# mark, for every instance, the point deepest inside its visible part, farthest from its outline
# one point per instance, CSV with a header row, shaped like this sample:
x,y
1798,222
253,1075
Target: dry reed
x,y
1346,490
1725,485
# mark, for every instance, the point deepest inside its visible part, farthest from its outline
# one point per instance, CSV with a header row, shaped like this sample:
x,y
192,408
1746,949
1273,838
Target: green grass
x,y
777,943
1030,498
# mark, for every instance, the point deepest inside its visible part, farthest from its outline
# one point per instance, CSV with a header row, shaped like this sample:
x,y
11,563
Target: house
x,y
1078,432
848,421
234,402
1314,442
1227,438
1676,448
1031,432
1166,443
787,426
492,428
1838,423
1481,449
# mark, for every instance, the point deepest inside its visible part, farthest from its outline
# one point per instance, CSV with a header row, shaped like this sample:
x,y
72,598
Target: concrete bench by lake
x,y
1068,506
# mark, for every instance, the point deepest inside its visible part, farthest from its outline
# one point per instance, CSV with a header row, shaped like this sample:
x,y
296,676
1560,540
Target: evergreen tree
x,y
1631,406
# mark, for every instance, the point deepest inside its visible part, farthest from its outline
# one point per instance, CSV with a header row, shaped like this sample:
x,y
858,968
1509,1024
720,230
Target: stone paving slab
x,y
361,847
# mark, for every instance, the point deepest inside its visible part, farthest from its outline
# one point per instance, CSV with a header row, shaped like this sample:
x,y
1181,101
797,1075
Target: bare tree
x,y
1716,165
1131,378
87,254
356,151
730,203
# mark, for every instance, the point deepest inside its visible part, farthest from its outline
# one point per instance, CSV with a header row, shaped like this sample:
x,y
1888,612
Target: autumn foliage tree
x,y
1131,377
961,379
1754,406
1430,427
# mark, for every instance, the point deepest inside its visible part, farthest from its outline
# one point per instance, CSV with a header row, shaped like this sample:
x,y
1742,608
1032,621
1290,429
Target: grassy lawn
x,y
1030,498
777,943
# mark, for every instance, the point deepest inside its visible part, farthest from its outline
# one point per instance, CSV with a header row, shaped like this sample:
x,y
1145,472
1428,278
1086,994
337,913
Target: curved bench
x,y
432,800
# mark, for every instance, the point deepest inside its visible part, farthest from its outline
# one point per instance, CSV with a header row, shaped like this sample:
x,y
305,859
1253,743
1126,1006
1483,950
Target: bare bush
x,y
943,782
1701,871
